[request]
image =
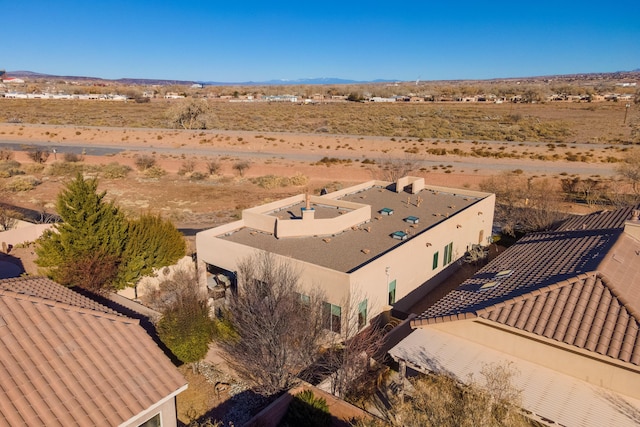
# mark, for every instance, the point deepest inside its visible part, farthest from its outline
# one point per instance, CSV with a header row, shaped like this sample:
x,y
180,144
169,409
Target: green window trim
x,y
448,254
362,314
435,260
392,292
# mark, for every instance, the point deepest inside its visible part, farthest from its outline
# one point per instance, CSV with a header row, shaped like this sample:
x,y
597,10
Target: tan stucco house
x,y
66,360
384,243
562,308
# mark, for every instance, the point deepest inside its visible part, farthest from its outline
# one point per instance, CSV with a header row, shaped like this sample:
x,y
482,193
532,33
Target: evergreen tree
x,y
151,243
91,230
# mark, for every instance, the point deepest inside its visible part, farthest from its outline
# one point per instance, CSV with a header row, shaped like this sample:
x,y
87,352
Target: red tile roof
x,y
65,360
579,285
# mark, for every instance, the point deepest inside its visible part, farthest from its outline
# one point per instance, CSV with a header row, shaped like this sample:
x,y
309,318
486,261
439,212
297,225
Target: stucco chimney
x,y
308,213
632,226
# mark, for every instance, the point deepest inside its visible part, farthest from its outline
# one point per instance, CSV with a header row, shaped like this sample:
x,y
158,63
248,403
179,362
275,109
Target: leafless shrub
x,y
524,204
213,167
187,166
391,169
629,169
144,162
8,218
73,157
6,154
241,166
177,290
38,154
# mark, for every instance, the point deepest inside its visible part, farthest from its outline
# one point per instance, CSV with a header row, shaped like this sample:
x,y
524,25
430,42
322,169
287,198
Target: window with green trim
x,y
362,314
392,292
435,261
332,317
448,254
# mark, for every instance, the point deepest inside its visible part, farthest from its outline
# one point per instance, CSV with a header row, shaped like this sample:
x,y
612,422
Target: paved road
x,y
458,163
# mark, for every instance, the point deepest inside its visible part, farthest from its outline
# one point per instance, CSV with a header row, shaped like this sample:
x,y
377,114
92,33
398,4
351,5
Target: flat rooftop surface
x,y
350,249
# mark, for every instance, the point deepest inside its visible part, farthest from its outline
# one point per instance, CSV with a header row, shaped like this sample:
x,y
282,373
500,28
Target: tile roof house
x,y
562,305
384,242
67,360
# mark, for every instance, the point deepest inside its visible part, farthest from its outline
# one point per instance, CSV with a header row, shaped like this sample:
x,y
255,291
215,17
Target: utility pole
x,y
626,110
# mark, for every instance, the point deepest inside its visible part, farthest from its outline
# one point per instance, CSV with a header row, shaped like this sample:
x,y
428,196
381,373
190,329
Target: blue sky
x,y
236,41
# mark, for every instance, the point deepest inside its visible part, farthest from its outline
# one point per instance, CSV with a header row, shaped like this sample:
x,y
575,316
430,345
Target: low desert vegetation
x,y
550,122
274,181
440,400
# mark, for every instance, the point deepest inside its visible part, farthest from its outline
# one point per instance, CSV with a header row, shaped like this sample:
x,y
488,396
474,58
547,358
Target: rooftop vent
x,y
400,235
412,219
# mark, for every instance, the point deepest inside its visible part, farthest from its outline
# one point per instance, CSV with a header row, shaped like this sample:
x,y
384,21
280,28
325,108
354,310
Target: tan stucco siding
x,y
588,366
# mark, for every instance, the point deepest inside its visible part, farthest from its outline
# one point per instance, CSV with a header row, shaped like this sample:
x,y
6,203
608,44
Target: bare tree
x,y
8,218
279,329
241,166
524,204
390,169
629,170
189,114
349,352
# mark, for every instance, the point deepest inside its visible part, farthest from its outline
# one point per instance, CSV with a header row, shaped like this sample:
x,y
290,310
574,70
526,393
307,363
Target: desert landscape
x,y
588,141
201,178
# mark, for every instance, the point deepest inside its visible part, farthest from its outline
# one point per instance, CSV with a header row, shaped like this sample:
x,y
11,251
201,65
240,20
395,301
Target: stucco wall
x,y
410,264
166,409
602,371
323,227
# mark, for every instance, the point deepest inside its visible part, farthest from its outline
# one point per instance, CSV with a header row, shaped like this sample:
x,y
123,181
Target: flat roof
x,y
356,246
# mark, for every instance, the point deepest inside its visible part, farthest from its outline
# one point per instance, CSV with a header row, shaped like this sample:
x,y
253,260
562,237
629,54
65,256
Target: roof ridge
x,y
535,292
66,306
621,299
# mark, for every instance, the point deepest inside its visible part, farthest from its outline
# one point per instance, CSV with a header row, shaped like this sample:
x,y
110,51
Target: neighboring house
x,y
379,242
563,308
68,360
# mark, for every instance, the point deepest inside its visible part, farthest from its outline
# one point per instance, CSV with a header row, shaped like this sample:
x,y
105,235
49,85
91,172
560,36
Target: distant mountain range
x,y
281,82
299,82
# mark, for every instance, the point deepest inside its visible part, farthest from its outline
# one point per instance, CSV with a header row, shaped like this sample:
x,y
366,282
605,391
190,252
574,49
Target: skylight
x,y
400,235
412,219
489,285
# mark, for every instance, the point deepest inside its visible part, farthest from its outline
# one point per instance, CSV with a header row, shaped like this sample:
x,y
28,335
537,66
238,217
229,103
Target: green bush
x,y
155,172
64,168
197,176
9,168
307,410
114,170
22,183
